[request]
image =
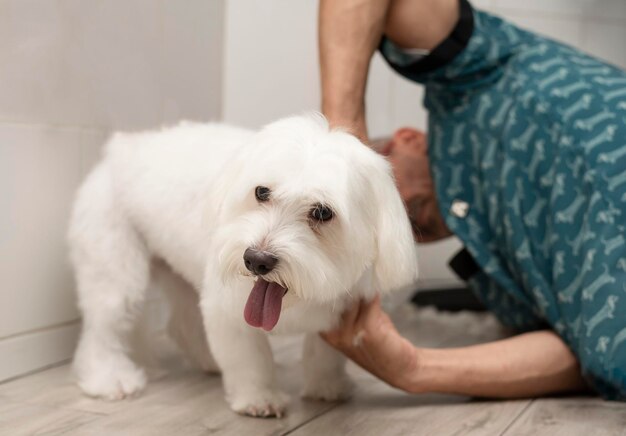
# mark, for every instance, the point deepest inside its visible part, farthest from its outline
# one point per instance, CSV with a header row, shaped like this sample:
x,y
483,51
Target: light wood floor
x,y
184,402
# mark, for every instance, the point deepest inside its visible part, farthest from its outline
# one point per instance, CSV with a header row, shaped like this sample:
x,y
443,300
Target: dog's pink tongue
x,y
264,303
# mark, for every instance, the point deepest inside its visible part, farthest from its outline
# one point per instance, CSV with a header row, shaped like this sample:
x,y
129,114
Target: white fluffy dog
x,y
277,230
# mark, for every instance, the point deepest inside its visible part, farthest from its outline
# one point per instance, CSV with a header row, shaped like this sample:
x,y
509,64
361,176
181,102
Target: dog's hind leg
x,y
185,325
112,273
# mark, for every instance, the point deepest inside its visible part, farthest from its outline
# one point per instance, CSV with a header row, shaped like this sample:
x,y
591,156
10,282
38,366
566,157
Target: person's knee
x,y
420,24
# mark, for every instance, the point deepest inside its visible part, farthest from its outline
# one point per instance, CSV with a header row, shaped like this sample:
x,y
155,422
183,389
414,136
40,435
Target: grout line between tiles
x,y
36,371
41,329
56,126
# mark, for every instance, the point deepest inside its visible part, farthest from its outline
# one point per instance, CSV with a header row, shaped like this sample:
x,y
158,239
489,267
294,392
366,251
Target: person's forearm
x,y
527,365
349,32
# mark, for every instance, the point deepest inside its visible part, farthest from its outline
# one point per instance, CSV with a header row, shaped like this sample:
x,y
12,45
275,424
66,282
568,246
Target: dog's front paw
x,y
328,389
112,382
260,403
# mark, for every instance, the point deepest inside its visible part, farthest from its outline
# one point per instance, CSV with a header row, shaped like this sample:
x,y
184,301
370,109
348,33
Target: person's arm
x,y
349,32
528,365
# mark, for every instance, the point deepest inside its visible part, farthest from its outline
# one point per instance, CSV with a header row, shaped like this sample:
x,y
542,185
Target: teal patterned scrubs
x,y
528,153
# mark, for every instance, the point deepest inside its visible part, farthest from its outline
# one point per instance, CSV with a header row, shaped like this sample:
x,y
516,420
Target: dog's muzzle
x,y
259,262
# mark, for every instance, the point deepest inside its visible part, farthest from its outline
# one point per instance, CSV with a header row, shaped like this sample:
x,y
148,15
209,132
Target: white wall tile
x,y
408,106
118,59
610,10
271,62
79,62
40,169
482,4
378,98
191,72
32,76
122,64
91,153
605,41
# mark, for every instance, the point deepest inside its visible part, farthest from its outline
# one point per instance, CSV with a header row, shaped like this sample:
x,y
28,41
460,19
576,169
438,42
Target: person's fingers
x,y
330,337
411,138
372,314
349,316
386,149
335,337
371,306
366,309
405,133
422,141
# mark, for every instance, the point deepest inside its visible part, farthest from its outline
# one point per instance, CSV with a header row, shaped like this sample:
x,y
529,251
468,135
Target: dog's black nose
x,y
259,262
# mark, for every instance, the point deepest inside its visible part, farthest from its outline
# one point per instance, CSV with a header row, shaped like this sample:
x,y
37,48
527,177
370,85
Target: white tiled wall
x,y
270,65
109,64
70,72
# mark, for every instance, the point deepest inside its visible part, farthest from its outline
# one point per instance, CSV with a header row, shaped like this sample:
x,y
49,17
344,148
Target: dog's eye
x,y
262,193
321,213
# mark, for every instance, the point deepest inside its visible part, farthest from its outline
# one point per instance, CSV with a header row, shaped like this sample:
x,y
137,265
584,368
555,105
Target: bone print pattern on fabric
x,y
532,135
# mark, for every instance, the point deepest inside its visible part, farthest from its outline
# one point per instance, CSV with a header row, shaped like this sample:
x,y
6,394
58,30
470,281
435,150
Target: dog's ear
x,y
396,263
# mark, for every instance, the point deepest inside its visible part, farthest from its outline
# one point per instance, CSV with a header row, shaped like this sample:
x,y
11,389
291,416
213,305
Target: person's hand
x,y
368,337
407,151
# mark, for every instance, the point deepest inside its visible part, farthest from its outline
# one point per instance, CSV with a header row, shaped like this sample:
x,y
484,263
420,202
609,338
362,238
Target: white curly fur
x,y
185,196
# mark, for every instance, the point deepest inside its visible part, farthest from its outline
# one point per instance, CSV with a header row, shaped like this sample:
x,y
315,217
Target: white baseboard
x,y
32,351
24,353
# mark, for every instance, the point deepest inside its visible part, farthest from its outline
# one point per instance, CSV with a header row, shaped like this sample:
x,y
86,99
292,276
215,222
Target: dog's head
x,y
309,213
